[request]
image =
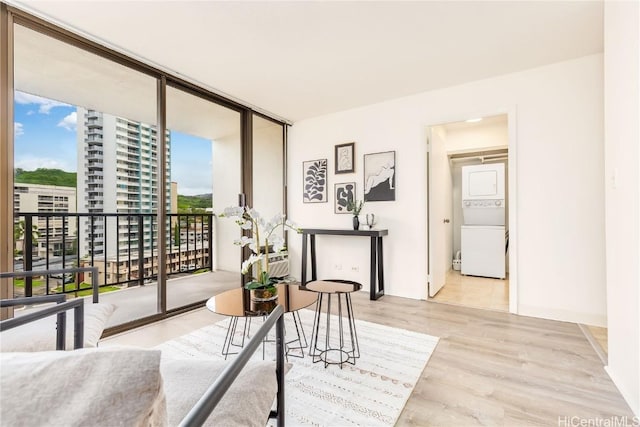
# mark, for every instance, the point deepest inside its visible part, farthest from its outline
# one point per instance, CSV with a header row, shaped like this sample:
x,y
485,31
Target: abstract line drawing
x,y
380,176
344,158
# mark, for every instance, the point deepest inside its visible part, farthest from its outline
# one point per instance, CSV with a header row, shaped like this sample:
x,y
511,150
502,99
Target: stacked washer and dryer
x,y
483,230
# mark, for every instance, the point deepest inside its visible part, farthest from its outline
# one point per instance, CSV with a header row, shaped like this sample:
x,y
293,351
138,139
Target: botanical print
x,y
345,195
379,176
344,158
314,174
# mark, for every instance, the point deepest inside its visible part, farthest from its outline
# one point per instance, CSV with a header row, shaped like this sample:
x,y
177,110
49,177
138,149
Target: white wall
x,y
227,175
478,137
622,182
561,215
268,168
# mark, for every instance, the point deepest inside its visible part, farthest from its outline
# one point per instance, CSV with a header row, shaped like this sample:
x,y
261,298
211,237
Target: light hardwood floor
x,y
601,336
490,368
477,292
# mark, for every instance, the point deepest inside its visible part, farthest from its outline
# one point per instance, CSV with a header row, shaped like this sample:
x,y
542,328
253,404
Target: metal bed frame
x,y
60,309
208,401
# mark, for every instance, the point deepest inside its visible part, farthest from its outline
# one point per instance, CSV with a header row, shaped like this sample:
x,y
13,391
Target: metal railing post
x,y
210,241
27,254
140,250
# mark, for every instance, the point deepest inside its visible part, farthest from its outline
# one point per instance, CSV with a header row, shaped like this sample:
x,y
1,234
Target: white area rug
x,y
371,393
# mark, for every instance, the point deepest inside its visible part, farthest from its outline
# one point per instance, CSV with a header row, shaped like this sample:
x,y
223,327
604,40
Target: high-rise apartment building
x,y
55,233
117,174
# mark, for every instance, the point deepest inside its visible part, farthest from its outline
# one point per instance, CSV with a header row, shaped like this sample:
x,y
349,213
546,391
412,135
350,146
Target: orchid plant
x,y
263,235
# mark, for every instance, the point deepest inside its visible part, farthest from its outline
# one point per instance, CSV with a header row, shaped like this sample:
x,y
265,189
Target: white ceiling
x,y
304,59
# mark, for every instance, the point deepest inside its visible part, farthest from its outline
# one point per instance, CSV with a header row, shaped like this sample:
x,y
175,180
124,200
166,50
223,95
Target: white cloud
x,y
32,163
18,129
69,122
194,191
45,104
193,178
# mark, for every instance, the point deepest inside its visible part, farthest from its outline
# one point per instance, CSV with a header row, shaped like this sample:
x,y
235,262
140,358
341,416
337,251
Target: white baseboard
x,y
635,406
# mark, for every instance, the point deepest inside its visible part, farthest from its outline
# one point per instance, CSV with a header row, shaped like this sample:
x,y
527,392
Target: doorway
x,y
480,144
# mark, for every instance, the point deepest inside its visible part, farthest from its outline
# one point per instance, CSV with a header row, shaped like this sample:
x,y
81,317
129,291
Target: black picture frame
x,y
345,157
343,193
380,176
314,181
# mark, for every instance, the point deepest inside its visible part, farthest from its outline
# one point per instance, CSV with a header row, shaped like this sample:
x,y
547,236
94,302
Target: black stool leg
x,y
355,347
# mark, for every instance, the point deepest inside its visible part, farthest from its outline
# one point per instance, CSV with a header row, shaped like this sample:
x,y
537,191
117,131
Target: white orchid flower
x,y
277,242
277,220
264,234
243,241
269,227
246,265
233,211
253,213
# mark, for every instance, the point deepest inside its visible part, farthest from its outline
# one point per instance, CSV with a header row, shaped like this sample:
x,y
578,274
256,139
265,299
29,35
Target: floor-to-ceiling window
x,y
86,171
115,164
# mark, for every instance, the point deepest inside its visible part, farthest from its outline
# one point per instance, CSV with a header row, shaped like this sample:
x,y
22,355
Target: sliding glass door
x,y
206,176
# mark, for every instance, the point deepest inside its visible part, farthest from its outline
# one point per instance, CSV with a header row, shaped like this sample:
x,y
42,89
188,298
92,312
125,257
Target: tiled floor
x,y
601,336
168,329
477,292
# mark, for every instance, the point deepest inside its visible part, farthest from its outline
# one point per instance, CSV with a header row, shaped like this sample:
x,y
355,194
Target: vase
x,y
356,222
264,294
264,300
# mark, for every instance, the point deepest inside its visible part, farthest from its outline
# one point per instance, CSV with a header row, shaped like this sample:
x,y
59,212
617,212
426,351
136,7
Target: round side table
x,y
343,348
237,303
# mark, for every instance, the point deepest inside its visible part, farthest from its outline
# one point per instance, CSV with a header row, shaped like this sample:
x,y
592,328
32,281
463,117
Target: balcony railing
x,y
110,242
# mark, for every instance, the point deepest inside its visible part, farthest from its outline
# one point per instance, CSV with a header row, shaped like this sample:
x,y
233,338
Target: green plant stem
x,y
266,255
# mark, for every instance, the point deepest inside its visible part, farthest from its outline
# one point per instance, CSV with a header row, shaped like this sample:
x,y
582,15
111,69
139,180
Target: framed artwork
x,y
344,158
314,181
380,176
344,193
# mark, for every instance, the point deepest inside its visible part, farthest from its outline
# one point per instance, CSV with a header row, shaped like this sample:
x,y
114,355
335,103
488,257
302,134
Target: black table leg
x,y
313,257
372,272
303,273
380,291
377,269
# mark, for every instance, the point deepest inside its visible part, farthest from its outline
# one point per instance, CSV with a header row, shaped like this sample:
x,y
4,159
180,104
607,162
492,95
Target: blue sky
x,y
45,137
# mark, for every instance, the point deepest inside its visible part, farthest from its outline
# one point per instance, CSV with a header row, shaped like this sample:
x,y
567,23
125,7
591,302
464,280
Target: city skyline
x,y
45,137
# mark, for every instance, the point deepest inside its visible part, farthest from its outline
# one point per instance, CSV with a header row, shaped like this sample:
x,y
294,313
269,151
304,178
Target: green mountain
x,y
194,204
46,177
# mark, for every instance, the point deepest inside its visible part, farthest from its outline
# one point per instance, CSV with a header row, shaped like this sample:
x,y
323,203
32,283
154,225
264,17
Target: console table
x,y
377,264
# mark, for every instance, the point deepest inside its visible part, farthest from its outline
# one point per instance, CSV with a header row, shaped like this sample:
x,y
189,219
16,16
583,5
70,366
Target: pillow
x,y
247,402
40,335
87,387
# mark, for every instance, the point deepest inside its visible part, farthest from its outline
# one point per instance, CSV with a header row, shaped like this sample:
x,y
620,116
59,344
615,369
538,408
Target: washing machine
x,y
483,251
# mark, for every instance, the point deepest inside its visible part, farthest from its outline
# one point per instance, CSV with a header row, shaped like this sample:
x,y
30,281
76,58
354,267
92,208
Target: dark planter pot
x,y
356,222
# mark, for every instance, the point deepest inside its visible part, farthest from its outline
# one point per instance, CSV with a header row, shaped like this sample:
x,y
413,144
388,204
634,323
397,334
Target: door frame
x,y
512,177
